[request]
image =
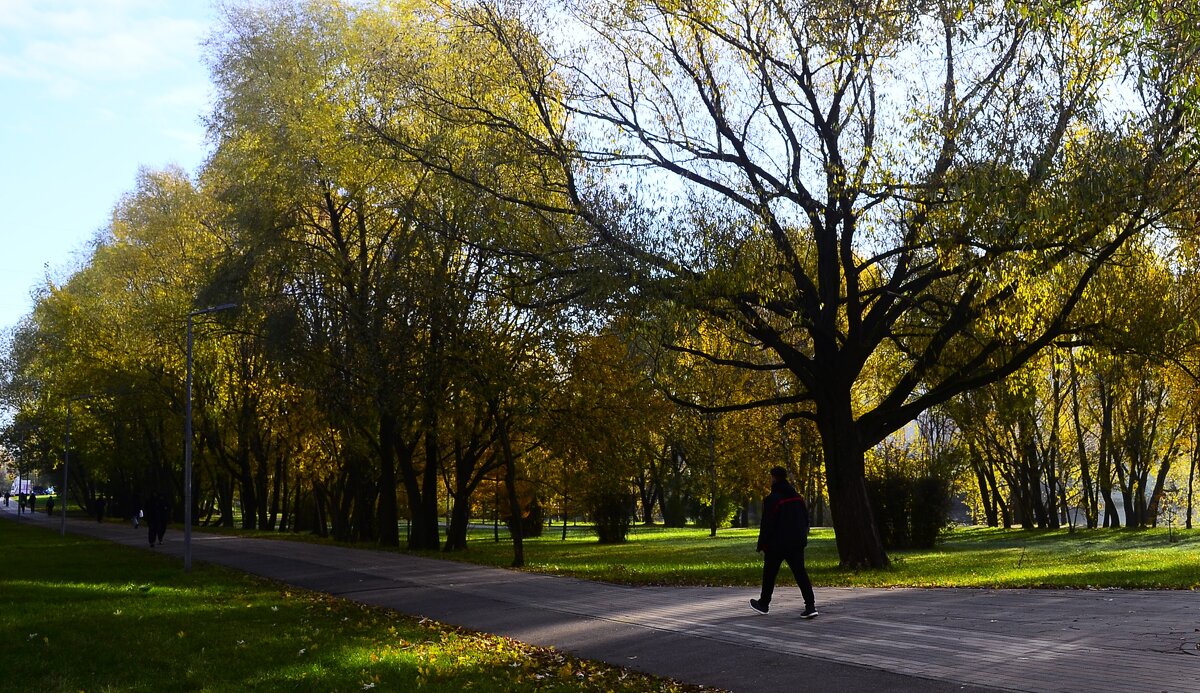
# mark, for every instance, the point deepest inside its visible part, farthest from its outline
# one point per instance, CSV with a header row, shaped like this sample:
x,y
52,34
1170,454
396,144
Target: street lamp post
x,y
187,439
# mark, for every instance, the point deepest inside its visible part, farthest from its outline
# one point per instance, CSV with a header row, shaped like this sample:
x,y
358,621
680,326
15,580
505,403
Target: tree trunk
x,y
465,463
422,494
1111,516
1090,510
262,478
712,486
1192,476
1160,482
858,541
456,531
388,520
1052,453
278,491
224,488
510,484
985,491
248,496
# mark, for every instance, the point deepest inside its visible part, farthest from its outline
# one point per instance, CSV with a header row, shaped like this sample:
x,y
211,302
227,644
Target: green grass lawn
x,y
967,557
78,614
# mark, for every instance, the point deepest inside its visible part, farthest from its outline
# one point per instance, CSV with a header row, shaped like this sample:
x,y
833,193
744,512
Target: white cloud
x,y
92,89
66,45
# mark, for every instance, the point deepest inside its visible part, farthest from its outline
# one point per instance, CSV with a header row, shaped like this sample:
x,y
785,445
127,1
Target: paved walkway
x,y
927,640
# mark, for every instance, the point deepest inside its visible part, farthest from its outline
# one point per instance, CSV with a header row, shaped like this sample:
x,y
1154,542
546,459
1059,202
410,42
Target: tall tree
x,y
931,183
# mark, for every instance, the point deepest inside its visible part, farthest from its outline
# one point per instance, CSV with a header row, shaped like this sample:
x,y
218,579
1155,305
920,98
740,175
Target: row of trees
x,y
578,250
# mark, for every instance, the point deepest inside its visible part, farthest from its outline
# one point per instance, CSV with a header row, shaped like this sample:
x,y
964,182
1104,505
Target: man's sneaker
x,y
759,607
809,612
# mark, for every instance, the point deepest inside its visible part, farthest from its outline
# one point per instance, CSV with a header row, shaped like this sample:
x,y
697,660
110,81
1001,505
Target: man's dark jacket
x,y
784,525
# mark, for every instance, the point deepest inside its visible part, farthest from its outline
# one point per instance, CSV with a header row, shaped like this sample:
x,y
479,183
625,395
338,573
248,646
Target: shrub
x,y
909,512
612,515
533,522
931,503
674,510
890,501
727,508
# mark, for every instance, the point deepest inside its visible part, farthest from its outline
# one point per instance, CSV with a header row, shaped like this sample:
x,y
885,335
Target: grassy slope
x,y
78,614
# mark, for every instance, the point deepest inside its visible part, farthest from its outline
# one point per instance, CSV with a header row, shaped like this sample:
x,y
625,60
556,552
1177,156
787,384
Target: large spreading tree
x,y
915,191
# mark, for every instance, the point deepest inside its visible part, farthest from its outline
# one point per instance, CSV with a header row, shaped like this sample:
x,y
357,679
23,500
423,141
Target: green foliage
x,y
533,522
727,508
674,508
890,498
612,514
435,221
930,510
909,511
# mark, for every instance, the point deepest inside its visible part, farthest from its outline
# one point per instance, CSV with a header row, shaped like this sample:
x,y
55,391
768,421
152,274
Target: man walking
x,y
157,515
782,536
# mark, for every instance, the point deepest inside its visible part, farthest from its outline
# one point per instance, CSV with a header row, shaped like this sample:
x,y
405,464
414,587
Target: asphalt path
x,y
878,640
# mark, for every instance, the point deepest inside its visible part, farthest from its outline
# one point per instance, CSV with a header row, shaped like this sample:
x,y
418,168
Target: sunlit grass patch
x,y
966,557
78,614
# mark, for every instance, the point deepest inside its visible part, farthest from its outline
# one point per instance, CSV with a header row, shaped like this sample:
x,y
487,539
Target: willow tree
x,y
325,241
931,185
388,275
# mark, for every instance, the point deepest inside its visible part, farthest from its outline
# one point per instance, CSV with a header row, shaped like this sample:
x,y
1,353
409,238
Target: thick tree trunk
x,y
1127,484
249,497
858,541
224,489
389,527
422,494
1154,508
456,532
510,484
321,503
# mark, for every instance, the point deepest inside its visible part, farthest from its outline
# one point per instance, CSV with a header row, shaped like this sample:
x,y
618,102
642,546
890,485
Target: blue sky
x,y
90,90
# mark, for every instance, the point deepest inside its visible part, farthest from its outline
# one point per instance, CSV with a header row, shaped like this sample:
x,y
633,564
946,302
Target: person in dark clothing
x,y
782,536
100,509
50,505
157,513
32,503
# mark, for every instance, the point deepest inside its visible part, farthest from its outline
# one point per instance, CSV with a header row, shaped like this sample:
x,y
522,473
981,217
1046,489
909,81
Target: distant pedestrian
x,y
50,506
99,509
157,514
7,494
137,517
782,536
32,504
20,503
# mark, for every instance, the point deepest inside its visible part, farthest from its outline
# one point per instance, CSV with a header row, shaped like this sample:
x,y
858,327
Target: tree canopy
x,y
599,251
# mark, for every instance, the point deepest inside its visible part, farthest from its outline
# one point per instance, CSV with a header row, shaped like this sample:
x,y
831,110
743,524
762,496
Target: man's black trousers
x,y
795,560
